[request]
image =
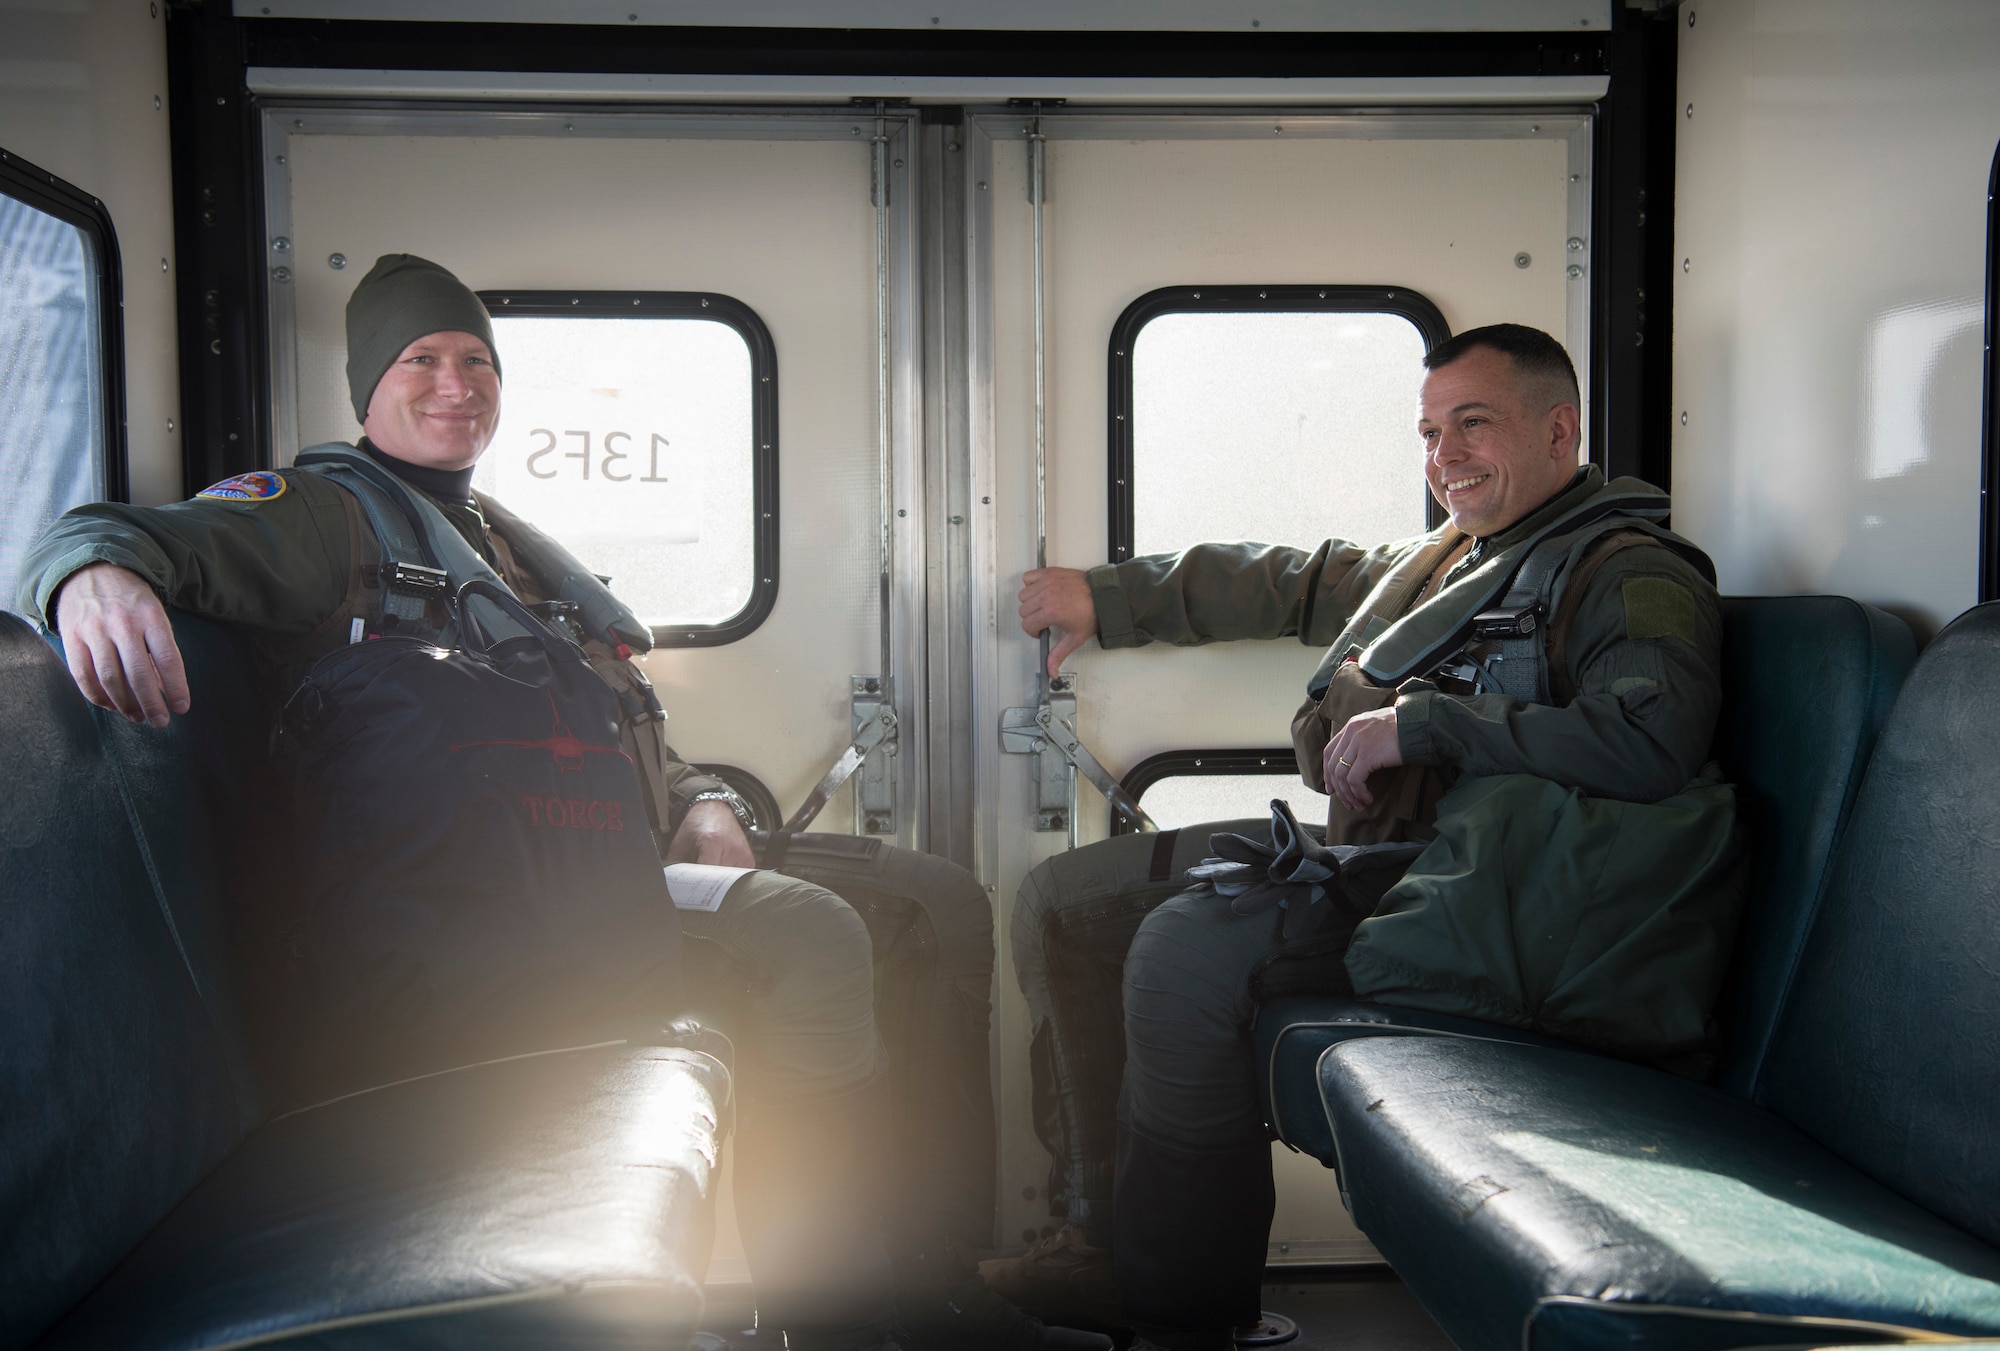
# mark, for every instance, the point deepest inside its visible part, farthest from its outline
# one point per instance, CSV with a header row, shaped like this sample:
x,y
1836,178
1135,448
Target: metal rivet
x,y
1690,110
281,245
281,159
958,520
281,275
336,261
1277,131
170,424
1684,417
982,187
1535,129
1690,18
298,124
901,512
163,265
1523,259
220,100
1576,178
1638,340
934,20
1197,295
1575,244
704,302
154,9
952,146
506,300
987,500
1573,271
156,103
232,436
899,164
631,18
576,300
1256,23
1687,264
569,126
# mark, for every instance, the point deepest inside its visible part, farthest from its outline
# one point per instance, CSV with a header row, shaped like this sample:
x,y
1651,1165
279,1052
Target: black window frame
x,y
505,304
1412,305
1217,764
1989,466
33,186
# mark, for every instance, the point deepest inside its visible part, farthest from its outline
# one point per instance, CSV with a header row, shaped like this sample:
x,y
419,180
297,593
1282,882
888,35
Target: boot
x,y
1189,1237
945,1305
807,1194
1065,1272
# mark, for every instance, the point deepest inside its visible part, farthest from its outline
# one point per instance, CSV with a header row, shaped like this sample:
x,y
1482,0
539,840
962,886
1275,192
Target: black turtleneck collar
x,y
446,485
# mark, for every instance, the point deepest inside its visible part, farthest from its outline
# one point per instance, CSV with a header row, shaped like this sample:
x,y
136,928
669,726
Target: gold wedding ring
x,y
1345,762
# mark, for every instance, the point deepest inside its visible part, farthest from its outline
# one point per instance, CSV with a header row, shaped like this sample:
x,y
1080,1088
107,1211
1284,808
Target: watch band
x,y
730,800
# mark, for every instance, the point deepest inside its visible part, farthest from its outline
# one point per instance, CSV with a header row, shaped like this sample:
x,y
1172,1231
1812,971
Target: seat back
x,y
198,798
1807,683
117,1086
1886,1047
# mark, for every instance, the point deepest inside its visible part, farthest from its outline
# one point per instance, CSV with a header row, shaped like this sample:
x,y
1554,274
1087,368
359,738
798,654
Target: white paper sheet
x,y
700,886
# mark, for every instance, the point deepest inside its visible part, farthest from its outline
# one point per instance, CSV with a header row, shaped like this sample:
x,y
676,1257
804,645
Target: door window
x,y
640,430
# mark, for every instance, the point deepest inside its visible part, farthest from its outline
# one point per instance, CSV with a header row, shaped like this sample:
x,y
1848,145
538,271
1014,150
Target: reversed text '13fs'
x,y
610,465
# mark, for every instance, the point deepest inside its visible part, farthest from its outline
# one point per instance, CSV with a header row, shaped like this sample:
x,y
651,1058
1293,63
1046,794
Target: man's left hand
x,y
710,833
1367,743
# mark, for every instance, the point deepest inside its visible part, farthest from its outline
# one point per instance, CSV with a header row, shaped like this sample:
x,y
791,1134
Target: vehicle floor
x,y
1335,1308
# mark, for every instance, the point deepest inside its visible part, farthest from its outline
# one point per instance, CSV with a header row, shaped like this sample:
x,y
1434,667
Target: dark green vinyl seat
x,y
1842,1186
1808,681
151,1199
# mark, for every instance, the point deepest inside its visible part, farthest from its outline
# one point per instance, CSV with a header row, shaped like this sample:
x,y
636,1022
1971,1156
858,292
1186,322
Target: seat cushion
x,y
1589,1202
561,1199
1292,1033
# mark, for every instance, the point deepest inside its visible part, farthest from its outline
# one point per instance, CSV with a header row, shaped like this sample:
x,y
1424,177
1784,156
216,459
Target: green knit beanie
x,y
404,298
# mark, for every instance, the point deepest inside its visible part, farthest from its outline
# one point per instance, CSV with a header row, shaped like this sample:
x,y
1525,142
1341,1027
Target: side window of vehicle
x,y
62,422
641,430
1281,414
1186,788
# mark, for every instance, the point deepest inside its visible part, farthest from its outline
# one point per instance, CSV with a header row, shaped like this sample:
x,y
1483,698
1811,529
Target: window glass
x,y
629,440
51,380
1194,799
1279,427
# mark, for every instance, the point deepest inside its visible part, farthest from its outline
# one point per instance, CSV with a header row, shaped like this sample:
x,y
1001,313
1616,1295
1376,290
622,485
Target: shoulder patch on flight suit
x,y
259,486
1656,607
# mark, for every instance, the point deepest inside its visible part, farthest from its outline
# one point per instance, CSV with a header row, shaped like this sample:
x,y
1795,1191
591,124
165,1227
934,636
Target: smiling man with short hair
x,y
1551,634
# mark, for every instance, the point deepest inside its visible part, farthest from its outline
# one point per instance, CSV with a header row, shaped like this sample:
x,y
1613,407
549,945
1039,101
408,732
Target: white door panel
x,y
785,226
1404,203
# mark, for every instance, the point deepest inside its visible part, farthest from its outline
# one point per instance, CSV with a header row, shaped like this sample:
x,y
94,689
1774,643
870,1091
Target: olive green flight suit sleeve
x,y
1645,652
278,565
1222,592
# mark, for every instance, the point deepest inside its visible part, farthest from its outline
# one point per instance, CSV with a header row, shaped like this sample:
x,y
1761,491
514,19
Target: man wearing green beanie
x,y
279,554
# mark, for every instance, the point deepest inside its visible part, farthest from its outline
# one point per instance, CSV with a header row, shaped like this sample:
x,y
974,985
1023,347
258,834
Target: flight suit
x,y
785,964
1105,955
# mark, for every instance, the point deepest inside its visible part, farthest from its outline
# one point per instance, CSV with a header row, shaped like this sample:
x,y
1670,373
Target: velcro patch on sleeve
x,y
1658,608
259,486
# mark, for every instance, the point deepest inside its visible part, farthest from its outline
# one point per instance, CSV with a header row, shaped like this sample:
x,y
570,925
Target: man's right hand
x,y
121,648
1059,599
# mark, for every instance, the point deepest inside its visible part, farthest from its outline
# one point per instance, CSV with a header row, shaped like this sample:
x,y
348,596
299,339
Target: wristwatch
x,y
729,800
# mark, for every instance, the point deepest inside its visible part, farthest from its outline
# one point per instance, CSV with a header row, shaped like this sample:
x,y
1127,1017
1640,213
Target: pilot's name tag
x,y
701,886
